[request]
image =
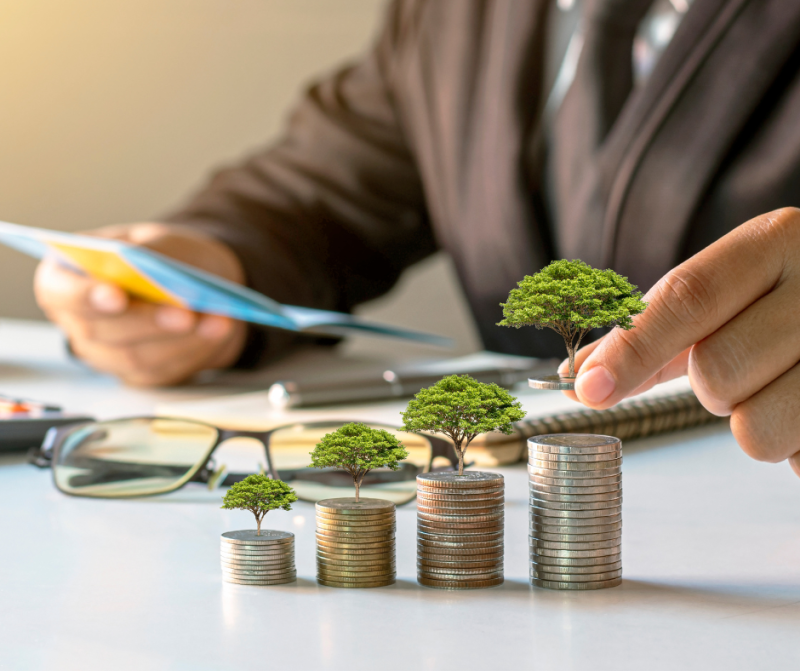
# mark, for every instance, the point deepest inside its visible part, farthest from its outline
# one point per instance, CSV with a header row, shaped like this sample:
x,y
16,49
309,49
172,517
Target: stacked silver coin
x,y
249,558
575,511
460,530
356,542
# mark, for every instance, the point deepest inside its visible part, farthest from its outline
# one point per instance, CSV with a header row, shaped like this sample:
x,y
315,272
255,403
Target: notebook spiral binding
x,y
635,418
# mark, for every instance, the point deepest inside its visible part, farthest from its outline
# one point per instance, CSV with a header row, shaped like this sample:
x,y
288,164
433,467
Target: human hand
x,y
143,343
729,318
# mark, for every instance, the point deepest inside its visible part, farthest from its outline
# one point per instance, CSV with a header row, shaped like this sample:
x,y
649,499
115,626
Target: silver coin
x,y
541,466
577,538
574,442
452,538
467,545
250,536
263,575
537,474
460,519
577,577
460,552
573,554
354,536
576,570
460,510
474,499
598,514
585,483
459,584
577,562
562,505
585,545
538,518
464,531
283,561
549,529
549,584
552,382
245,568
576,498
614,488
258,557
238,581
349,505
451,479
560,457
461,494
465,574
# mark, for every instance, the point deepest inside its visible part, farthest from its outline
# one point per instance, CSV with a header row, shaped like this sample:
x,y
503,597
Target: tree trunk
x,y
460,462
258,526
357,483
571,351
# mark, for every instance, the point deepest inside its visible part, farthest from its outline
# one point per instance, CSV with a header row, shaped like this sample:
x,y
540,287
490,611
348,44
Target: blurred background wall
x,y
114,110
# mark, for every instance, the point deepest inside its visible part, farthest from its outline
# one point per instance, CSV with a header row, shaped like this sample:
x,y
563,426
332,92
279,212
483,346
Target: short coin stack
x,y
355,542
460,530
576,511
258,559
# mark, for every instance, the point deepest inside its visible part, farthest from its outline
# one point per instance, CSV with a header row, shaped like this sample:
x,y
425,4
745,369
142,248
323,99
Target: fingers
x,y
767,424
214,342
746,354
59,289
688,304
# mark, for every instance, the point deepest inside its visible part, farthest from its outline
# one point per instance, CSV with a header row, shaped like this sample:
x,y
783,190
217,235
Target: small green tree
x,y
461,408
358,449
572,298
259,494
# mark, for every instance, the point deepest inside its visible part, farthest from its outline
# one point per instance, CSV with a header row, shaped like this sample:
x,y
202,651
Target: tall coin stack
x,y
576,511
460,530
264,559
355,542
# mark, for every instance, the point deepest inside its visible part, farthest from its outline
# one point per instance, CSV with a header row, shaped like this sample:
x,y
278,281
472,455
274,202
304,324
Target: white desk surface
x,y
711,557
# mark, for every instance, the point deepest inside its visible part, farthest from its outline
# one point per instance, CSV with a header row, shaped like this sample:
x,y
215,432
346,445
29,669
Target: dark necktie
x,y
602,83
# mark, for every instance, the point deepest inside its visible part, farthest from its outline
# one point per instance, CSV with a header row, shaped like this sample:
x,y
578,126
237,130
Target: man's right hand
x,y
140,342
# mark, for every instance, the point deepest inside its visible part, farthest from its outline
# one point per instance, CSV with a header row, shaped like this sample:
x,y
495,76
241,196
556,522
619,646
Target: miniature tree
x,y
461,408
259,494
358,449
572,298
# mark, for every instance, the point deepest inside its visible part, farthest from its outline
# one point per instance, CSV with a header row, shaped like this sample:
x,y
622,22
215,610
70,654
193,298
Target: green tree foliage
x,y
461,408
572,298
358,449
259,494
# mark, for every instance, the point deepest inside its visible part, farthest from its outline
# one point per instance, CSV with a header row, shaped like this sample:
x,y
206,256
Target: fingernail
x,y
595,385
173,319
213,328
106,298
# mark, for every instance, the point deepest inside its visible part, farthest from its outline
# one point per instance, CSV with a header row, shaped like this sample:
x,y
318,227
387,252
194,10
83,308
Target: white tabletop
x,y
711,558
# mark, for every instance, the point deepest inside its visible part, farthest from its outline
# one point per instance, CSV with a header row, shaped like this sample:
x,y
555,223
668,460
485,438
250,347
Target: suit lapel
x,y
679,130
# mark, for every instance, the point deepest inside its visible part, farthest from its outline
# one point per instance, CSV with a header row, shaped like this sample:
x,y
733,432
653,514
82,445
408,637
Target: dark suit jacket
x,y
428,143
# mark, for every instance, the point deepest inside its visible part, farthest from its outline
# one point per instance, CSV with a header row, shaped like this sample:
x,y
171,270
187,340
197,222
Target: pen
x,y
392,383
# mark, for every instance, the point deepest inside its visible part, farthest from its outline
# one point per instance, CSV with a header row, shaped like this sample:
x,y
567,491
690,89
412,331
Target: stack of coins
x,y
258,559
460,530
355,543
576,511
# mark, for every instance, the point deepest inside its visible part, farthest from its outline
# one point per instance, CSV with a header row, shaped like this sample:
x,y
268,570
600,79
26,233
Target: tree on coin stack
x,y
460,516
462,408
256,557
356,536
571,298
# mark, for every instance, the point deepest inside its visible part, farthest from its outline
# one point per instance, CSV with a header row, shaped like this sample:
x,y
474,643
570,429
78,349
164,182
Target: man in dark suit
x,y
501,133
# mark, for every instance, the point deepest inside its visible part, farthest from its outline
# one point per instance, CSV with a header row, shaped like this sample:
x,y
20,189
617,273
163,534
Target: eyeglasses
x,y
143,456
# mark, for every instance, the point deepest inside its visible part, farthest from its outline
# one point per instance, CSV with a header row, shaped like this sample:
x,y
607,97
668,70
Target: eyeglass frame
x,y
47,454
